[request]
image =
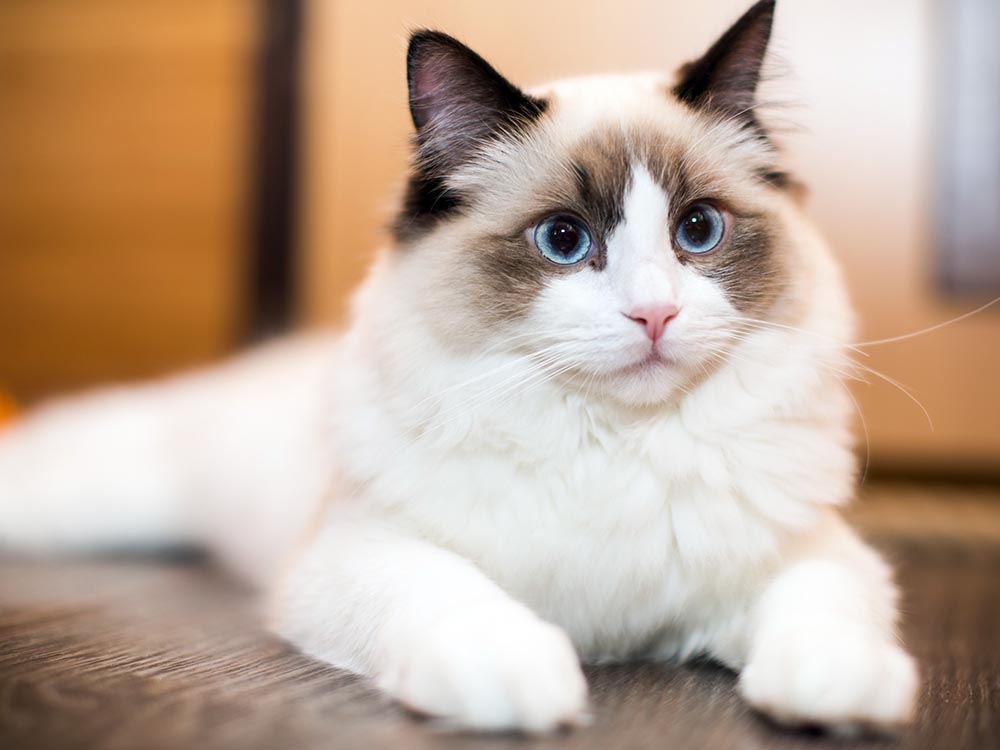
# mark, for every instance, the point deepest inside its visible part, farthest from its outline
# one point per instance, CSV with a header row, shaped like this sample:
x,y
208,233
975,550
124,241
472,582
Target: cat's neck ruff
x,y
436,407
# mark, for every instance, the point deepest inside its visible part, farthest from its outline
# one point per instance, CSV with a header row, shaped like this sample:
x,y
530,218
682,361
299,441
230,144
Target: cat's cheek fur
x,y
578,320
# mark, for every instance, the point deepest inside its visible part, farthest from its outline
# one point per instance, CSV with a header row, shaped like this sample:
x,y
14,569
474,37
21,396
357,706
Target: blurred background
x,y
179,178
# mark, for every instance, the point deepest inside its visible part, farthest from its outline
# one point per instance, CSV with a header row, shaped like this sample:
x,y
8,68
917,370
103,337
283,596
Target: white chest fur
x,y
641,533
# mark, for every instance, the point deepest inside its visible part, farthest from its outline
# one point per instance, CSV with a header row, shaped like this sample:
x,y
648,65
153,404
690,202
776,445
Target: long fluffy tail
x,y
230,458
90,472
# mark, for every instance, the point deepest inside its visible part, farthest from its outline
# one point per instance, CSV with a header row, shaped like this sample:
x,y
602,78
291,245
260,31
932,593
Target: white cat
x,y
590,406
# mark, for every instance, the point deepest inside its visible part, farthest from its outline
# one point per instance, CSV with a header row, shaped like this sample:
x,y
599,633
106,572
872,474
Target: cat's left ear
x,y
724,80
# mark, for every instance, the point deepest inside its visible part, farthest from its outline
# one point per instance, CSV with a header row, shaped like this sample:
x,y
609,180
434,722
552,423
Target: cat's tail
x,y
230,458
91,472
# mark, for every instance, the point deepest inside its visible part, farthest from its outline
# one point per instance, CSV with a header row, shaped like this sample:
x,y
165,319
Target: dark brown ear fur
x,y
458,101
724,80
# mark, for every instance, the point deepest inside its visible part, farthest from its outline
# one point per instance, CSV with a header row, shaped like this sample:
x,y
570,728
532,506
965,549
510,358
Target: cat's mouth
x,y
653,360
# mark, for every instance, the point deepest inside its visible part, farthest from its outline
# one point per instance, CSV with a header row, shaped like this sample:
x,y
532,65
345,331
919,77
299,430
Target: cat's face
x,y
622,231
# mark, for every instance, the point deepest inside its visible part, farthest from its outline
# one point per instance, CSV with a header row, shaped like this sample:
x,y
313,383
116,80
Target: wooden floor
x,y
169,654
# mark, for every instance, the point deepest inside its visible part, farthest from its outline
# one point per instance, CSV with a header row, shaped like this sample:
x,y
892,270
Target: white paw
x,y
843,677
492,669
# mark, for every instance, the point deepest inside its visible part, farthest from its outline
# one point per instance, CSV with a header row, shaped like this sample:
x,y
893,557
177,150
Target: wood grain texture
x,y
167,654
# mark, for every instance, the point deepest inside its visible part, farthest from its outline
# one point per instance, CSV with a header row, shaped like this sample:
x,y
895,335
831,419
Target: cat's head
x,y
622,229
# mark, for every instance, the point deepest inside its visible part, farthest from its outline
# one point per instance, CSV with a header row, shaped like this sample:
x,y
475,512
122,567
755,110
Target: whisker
x,y
864,427
481,376
500,389
929,329
902,388
765,324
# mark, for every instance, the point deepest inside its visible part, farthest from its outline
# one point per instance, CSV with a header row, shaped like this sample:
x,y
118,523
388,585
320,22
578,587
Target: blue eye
x,y
563,240
700,230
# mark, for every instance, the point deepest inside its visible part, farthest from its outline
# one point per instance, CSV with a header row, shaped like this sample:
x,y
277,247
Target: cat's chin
x,y
651,380
651,365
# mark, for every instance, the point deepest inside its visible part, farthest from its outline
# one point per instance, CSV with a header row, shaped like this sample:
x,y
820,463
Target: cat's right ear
x,y
458,100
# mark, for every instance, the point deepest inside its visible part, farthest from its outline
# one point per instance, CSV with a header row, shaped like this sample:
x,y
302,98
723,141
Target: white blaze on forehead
x,y
580,104
641,260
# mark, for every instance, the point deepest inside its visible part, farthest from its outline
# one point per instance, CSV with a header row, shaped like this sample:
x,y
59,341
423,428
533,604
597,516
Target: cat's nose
x,y
654,318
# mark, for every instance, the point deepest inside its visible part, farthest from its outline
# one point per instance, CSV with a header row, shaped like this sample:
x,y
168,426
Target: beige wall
x,y
867,73
860,136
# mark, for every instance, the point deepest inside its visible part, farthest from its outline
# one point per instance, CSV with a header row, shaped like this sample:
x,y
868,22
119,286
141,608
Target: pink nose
x,y
654,318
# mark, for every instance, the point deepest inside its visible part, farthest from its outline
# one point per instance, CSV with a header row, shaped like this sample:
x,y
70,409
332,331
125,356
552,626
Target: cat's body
x,y
487,452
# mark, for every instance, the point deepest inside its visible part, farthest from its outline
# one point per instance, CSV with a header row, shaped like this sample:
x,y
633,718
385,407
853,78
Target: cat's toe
x,y
493,671
841,677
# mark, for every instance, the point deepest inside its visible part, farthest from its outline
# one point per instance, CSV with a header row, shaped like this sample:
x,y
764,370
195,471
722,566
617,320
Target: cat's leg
x,y
430,628
822,642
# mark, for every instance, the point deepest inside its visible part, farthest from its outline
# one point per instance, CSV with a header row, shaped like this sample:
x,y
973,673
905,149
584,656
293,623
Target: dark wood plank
x,y
171,654
271,303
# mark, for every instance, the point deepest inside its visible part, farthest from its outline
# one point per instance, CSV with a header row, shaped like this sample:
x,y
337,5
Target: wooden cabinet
x,y
124,149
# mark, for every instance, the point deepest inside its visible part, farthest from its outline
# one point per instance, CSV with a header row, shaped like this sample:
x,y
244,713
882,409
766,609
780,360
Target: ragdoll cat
x,y
589,408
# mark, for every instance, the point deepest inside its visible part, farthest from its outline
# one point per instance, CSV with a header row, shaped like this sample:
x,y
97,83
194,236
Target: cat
x,y
589,408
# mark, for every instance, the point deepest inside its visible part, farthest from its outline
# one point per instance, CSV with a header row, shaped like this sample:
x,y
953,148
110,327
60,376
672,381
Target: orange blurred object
x,y
8,409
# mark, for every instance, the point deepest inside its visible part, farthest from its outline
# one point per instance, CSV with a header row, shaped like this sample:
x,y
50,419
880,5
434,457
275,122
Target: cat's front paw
x,y
490,670
842,677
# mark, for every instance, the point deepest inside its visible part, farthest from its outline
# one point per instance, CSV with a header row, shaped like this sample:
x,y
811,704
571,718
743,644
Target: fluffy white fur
x,y
461,520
